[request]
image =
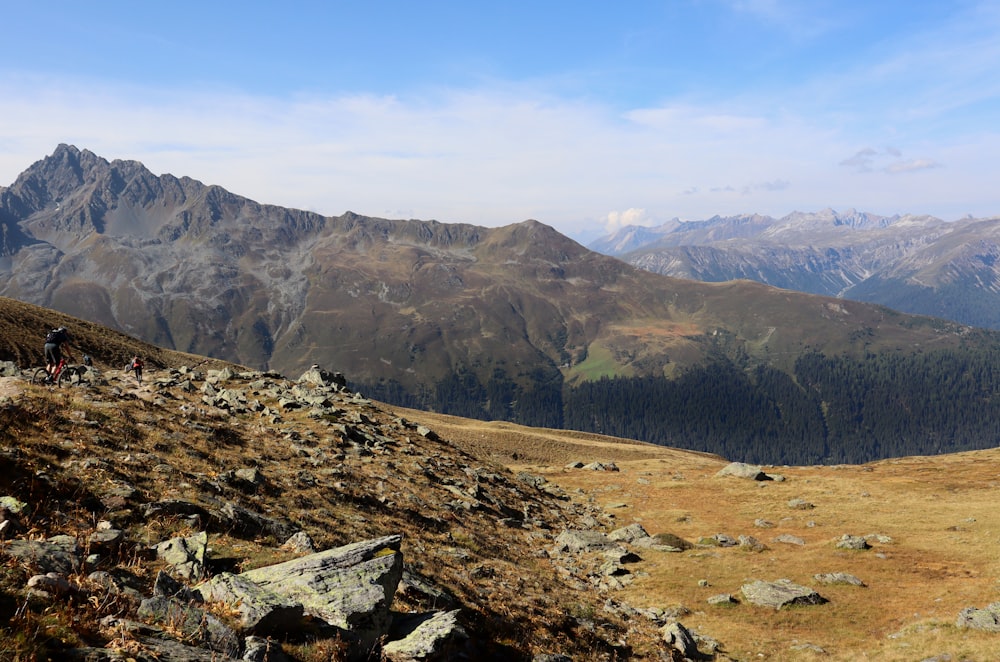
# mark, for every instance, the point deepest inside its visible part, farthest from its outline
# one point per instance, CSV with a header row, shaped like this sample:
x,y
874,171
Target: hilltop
x,y
506,524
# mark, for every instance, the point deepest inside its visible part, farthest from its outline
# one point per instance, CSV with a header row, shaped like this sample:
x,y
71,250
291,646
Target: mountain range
x,y
514,323
912,263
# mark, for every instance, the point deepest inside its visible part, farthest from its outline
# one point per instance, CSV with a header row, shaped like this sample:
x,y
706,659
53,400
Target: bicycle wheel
x,y
39,376
70,375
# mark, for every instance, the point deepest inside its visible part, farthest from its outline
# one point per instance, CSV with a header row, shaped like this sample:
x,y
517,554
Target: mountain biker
x,y
54,341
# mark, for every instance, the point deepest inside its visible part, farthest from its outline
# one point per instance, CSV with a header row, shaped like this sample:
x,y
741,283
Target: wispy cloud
x,y
888,161
911,166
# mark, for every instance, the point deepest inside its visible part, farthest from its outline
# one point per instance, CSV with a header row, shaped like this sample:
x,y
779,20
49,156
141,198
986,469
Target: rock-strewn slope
x,y
225,514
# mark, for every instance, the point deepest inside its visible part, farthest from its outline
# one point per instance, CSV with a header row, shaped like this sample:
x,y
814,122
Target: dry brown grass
x,y
940,512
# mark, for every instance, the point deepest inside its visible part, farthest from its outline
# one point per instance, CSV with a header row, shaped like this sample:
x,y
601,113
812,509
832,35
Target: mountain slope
x,y
502,323
915,264
196,268
481,506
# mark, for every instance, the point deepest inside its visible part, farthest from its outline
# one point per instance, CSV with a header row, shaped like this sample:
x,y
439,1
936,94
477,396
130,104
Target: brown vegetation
x,y
61,448
940,513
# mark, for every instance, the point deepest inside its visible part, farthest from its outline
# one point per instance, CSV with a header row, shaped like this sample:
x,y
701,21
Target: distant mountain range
x,y
915,264
505,323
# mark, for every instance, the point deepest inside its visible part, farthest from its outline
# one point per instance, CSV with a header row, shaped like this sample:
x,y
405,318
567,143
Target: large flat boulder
x,y
780,593
349,587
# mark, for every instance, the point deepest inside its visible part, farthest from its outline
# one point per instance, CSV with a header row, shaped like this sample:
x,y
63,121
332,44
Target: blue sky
x,y
585,116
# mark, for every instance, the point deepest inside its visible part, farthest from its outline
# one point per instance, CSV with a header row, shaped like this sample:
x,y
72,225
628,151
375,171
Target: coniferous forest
x,y
831,410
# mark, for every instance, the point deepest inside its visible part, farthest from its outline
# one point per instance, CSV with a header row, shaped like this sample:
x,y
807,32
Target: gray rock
x,y
430,637
300,542
57,554
852,542
582,541
838,578
780,593
742,470
192,623
628,534
186,555
789,539
987,619
722,599
800,504
751,544
51,583
349,587
680,639
260,611
260,649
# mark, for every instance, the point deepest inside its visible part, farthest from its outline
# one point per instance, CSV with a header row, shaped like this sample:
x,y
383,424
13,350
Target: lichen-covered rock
x,y
742,470
582,541
260,611
987,619
433,637
838,578
780,593
629,533
349,587
186,555
848,541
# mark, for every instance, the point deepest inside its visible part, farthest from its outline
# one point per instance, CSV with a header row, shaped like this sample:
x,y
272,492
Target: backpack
x,y
55,336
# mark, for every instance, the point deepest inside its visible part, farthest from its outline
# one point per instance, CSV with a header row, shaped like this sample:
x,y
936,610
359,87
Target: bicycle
x,y
70,374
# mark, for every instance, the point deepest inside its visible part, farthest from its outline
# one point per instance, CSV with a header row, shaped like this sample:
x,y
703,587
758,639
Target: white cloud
x,y
888,161
911,166
502,154
617,220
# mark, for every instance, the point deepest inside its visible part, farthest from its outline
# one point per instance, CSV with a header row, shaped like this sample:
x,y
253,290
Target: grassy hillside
x,y
68,453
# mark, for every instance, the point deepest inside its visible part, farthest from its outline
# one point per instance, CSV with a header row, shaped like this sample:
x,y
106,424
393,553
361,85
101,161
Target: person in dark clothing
x,y
54,342
136,366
